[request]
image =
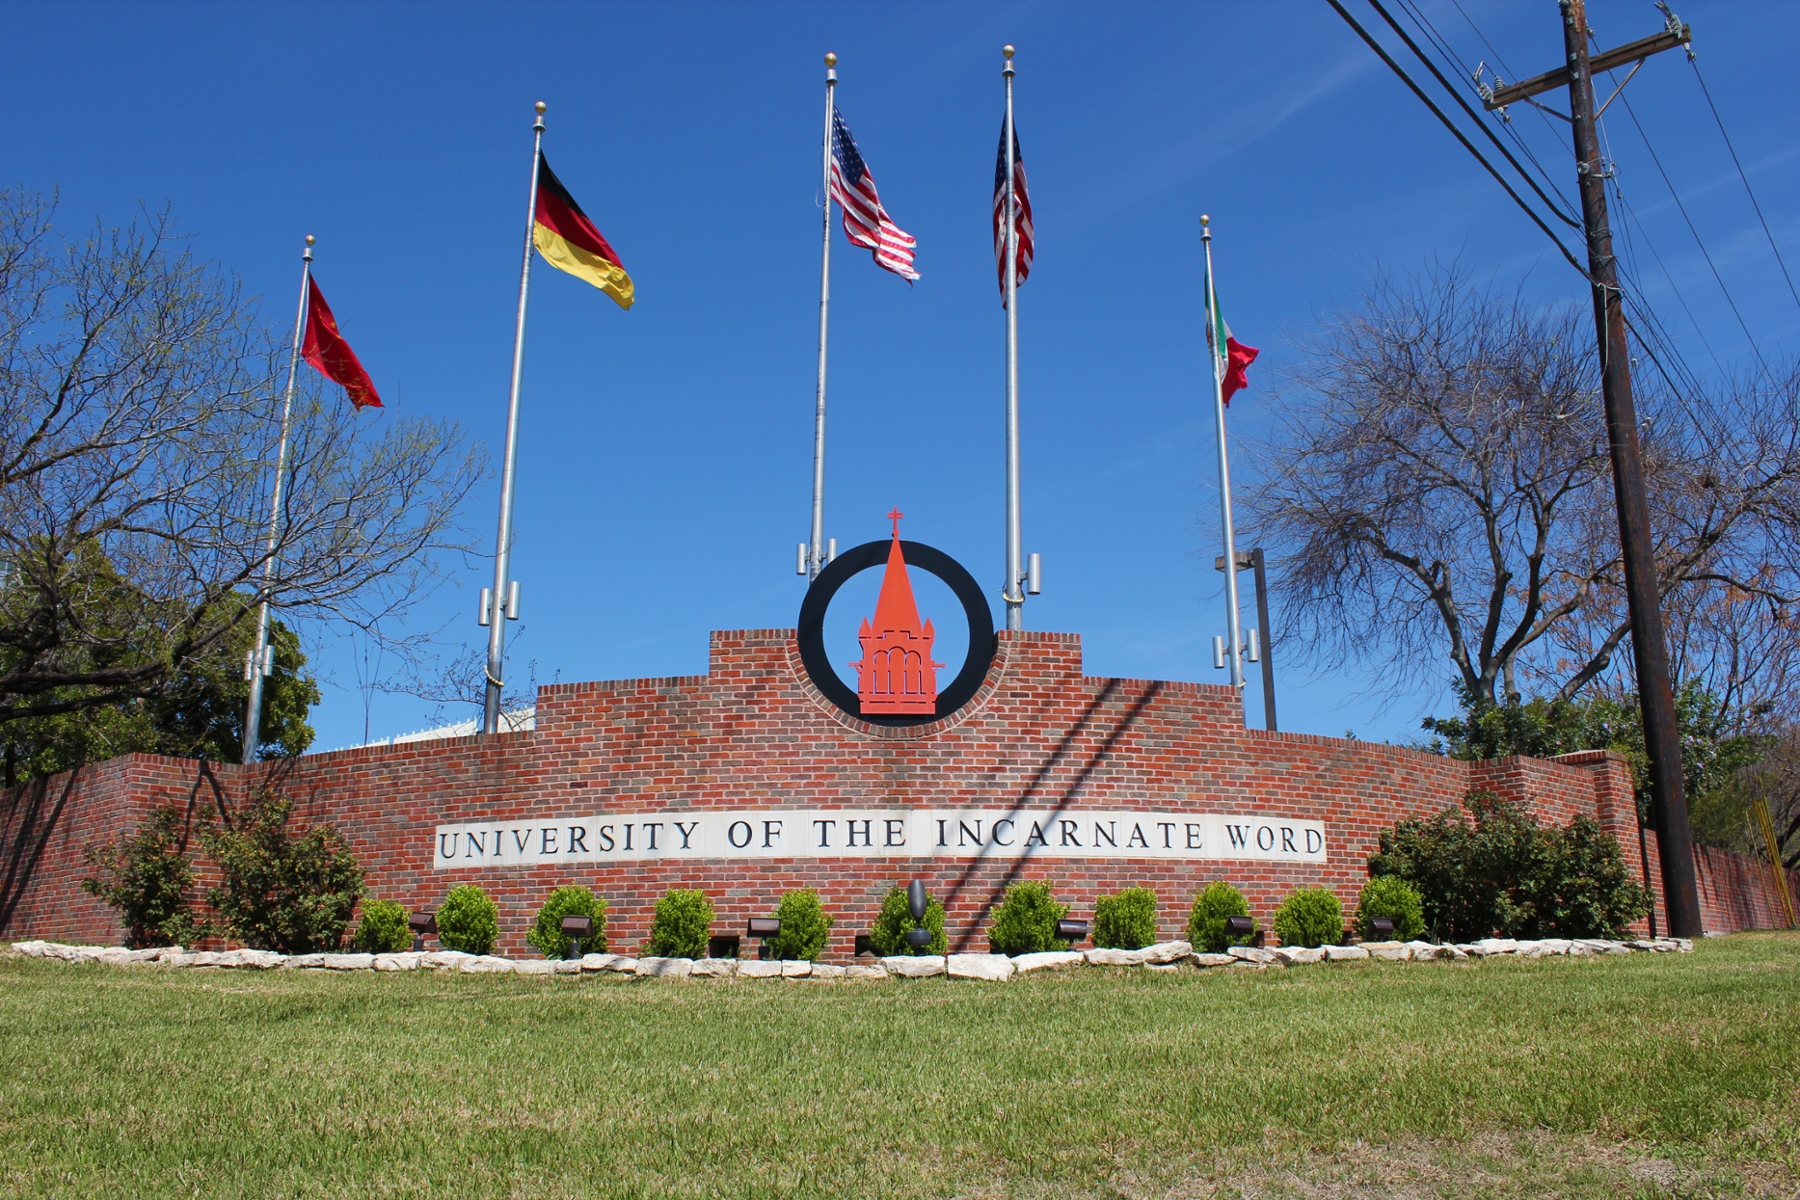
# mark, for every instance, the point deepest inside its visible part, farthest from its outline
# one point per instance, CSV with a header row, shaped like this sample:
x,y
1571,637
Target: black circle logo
x,y
854,562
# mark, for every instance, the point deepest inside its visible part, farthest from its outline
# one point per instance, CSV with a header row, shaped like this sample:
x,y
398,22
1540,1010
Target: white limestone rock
x,y
302,962
119,956
1603,946
1165,968
444,960
1426,951
1345,953
865,971
1684,945
1045,960
1391,951
1204,959
1553,947
566,966
665,968
406,960
1254,954
171,954
31,949
1453,953
74,954
261,960
534,966
995,968
914,967
1103,957
829,971
1580,949
202,958
597,962
486,964
1297,955
1166,952
1488,947
795,968
623,965
715,966
760,968
348,962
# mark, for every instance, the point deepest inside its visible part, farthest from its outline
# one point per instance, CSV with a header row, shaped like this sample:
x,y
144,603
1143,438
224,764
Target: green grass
x,y
1646,1075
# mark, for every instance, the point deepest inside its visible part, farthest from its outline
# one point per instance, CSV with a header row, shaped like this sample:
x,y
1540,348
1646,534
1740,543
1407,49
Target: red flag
x,y
326,349
1237,366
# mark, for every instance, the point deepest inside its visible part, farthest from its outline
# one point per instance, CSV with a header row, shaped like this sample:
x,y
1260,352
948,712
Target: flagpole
x,y
497,603
1015,599
1215,348
256,668
815,558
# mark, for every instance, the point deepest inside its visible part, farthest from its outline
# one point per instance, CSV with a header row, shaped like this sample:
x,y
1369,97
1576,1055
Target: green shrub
x,y
146,878
546,932
888,934
805,926
1126,921
679,928
1206,921
1024,922
383,929
1310,917
1507,874
468,920
1394,898
281,892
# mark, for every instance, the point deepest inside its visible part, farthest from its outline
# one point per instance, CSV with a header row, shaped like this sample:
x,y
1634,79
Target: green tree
x,y
146,877
279,891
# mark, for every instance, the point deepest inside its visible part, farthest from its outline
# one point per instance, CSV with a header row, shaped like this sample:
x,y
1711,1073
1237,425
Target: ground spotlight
x,y
764,928
421,923
578,929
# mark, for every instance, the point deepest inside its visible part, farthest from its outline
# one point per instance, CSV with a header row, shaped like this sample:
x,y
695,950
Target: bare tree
x,y
1439,488
139,413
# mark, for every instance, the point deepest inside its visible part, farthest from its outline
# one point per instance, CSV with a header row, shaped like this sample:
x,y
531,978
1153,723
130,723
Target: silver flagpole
x,y
258,665
1015,599
496,614
1216,348
815,558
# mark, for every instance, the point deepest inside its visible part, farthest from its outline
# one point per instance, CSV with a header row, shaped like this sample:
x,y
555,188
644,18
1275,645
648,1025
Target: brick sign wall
x,y
1095,784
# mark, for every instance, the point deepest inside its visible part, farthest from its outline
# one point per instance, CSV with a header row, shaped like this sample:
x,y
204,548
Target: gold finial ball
x,y
830,60
309,239
1205,220
1007,50
540,106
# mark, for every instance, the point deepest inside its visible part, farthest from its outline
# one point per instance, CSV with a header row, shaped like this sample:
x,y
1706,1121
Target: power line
x,y
1457,133
1473,116
1707,92
1682,208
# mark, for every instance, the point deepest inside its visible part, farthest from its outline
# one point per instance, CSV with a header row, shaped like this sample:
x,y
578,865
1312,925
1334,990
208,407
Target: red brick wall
x,y
754,733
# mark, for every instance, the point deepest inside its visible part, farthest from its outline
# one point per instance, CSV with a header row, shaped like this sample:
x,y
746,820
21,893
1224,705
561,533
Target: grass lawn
x,y
1643,1075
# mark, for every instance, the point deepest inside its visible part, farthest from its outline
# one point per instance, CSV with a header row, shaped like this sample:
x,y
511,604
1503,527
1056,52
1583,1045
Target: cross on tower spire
x,y
894,515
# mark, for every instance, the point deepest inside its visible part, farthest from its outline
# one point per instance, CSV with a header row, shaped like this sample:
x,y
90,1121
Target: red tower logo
x,y
896,674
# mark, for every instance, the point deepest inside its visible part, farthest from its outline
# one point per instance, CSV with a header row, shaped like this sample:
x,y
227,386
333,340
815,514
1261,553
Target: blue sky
x,y
665,453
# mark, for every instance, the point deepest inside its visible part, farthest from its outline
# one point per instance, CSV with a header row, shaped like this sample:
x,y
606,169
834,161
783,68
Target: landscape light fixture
x,y
1382,928
916,903
577,929
421,923
1072,931
1239,927
764,928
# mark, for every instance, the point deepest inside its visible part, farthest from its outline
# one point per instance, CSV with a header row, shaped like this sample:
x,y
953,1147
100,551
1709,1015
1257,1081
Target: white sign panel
x,y
877,833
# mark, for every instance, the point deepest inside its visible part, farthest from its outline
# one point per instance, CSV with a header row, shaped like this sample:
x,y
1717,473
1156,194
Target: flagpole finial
x,y
1007,50
541,107
830,59
1205,228
306,255
537,126
1008,69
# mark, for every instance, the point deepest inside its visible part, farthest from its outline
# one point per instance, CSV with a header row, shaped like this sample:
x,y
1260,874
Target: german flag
x,y
569,242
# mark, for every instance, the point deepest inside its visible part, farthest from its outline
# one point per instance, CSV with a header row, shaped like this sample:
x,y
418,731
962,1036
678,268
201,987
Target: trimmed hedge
x,y
383,929
1392,897
468,920
546,933
679,929
1126,921
1206,922
1310,916
1025,921
805,926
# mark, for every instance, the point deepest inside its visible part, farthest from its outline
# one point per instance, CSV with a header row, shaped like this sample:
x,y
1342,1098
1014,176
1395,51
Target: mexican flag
x,y
1234,363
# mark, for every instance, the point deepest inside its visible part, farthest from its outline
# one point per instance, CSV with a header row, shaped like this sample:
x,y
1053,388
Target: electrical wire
x,y
1457,133
1682,208
1555,204
1707,92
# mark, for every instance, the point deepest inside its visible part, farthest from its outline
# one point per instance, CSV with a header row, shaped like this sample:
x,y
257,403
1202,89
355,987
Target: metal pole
x,y
1268,654
253,711
815,558
1015,598
1656,698
1233,631
496,656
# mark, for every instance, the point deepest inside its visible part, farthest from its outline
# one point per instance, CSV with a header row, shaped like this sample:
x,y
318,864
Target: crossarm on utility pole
x,y
1549,81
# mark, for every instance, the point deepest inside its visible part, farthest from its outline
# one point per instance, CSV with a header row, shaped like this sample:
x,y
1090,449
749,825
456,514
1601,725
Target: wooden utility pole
x,y
1649,647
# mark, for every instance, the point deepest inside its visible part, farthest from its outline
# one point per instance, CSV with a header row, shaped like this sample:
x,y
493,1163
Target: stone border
x,y
1164,956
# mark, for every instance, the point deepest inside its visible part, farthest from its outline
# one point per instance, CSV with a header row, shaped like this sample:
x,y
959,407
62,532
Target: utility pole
x,y
1649,647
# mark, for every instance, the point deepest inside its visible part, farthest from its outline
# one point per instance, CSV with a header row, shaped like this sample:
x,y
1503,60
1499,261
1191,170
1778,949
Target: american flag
x,y
1022,209
866,223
